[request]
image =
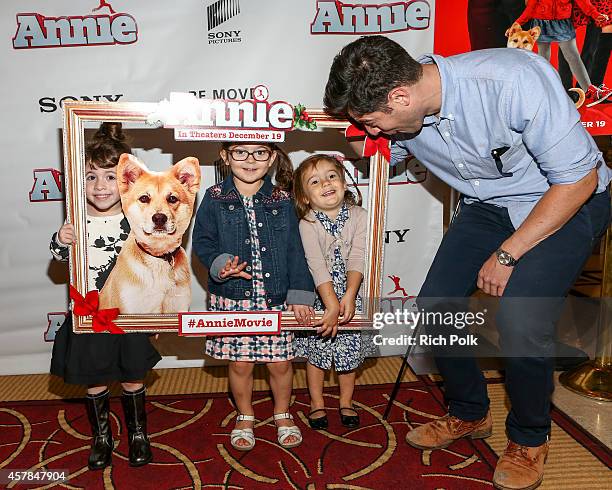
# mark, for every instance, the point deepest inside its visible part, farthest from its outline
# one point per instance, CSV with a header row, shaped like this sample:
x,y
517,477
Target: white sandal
x,y
283,433
244,434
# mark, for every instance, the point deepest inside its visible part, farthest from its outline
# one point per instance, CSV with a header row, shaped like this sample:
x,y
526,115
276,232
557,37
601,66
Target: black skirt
x,y
97,359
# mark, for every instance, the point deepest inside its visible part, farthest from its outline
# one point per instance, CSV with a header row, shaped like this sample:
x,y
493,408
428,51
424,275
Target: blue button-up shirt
x,y
503,98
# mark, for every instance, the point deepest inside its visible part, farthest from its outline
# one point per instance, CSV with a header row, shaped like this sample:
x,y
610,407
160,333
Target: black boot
x,y
102,445
136,420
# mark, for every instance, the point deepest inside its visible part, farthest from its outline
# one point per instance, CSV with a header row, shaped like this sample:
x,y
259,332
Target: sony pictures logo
x,y
218,13
106,26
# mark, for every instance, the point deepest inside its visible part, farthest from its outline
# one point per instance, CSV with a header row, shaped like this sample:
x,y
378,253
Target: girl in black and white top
x,y
97,359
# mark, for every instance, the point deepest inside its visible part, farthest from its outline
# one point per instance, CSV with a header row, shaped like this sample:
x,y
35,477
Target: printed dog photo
x,y
518,38
152,273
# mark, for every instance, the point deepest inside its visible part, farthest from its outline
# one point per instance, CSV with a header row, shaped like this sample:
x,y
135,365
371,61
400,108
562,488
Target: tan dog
x,y
152,273
518,38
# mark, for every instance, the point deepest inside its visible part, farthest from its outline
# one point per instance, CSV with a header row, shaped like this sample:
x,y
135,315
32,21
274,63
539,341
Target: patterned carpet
x,y
191,444
190,438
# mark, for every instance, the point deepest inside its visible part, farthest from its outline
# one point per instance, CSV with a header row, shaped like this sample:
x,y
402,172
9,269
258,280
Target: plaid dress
x,y
346,351
262,348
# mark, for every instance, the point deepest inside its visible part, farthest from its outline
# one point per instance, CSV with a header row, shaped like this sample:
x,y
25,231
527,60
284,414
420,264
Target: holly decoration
x,y
301,119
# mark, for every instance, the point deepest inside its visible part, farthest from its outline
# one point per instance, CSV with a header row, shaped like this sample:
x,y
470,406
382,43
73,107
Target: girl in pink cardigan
x,y
333,228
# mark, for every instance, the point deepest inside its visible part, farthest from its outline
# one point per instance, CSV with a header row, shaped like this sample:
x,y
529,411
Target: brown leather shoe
x,y
520,467
442,432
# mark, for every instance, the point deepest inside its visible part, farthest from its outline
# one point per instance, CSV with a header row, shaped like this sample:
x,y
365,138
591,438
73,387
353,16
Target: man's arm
x,y
540,110
563,150
552,211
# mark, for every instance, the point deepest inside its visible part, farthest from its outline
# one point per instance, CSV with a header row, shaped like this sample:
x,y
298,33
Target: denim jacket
x,y
221,231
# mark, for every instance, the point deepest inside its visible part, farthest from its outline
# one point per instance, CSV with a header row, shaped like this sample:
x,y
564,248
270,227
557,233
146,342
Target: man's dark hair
x,y
363,74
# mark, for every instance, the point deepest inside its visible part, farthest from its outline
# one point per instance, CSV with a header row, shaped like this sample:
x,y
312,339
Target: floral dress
x,y
346,351
262,348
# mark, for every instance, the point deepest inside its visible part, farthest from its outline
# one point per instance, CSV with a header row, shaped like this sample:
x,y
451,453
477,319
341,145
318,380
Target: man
x,y
497,126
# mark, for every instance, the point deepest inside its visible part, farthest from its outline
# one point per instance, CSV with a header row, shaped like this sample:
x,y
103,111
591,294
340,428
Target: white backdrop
x,y
159,48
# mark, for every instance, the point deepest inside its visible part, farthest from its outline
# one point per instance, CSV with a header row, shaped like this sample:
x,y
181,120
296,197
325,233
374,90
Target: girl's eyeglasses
x,y
258,155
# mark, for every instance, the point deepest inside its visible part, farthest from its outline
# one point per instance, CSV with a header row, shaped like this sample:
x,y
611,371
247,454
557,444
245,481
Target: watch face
x,y
504,258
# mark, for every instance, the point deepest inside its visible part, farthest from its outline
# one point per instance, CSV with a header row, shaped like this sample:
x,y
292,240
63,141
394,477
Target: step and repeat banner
x,y
55,51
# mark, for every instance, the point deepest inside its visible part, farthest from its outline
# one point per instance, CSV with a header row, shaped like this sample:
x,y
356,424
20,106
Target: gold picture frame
x,y
79,115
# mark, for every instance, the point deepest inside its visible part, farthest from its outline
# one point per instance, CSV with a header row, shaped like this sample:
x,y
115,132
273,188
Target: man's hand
x,y
493,277
233,269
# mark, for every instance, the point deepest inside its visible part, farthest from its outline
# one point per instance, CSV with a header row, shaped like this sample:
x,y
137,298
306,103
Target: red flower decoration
x,y
102,320
372,144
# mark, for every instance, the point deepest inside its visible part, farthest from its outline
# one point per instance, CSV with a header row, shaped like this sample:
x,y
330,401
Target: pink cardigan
x,y
319,245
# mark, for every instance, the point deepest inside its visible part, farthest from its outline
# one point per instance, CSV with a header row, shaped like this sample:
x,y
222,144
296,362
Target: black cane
x,y
400,374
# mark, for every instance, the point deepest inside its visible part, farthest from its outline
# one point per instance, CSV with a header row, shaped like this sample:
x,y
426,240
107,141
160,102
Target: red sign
x,y
462,25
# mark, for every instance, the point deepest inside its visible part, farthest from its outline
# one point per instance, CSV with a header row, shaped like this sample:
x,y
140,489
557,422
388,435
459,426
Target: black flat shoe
x,y
319,422
349,421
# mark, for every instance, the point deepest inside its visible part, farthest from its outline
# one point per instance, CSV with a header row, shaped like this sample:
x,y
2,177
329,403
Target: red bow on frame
x,y
102,320
372,145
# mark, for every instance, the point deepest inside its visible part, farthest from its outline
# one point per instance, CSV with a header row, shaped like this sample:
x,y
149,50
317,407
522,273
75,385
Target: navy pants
x,y
548,270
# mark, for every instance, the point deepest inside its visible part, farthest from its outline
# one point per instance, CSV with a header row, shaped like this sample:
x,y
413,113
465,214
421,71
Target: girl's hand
x,y
513,28
66,234
328,325
303,313
347,308
233,269
601,19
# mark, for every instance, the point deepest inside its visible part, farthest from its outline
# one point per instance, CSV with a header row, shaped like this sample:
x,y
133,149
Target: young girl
x,y
333,229
96,359
554,19
246,233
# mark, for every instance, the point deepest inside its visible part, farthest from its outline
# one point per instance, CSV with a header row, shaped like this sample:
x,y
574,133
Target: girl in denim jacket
x,y
246,233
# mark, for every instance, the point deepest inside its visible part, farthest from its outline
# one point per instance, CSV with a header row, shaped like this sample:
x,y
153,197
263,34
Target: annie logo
x,y
409,171
218,120
335,17
47,185
36,30
55,319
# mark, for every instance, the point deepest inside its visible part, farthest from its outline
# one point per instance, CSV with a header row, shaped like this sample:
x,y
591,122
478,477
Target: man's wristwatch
x,y
504,258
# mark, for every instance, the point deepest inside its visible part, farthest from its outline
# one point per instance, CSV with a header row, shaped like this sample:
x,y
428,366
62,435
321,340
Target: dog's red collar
x,y
168,257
